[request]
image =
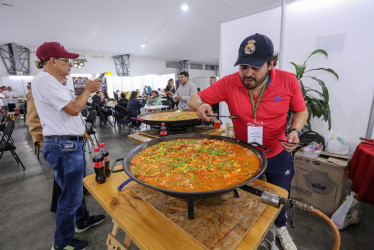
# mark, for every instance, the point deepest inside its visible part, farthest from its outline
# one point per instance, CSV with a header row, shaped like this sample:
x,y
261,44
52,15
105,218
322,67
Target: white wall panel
x,y
342,28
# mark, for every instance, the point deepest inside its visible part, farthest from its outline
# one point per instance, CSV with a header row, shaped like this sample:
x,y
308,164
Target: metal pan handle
x,y
259,145
114,164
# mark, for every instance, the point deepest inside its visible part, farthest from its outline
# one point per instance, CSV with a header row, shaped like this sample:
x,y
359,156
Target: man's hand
x,y
205,109
93,86
293,136
177,98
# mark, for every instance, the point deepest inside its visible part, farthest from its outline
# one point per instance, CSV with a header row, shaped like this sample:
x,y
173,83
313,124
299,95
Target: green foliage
x,y
317,101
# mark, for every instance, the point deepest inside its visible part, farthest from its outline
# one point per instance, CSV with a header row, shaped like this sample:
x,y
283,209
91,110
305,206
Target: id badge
x,y
255,131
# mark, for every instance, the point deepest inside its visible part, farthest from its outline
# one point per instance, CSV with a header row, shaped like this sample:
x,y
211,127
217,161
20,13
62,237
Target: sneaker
x,y
74,244
92,221
284,238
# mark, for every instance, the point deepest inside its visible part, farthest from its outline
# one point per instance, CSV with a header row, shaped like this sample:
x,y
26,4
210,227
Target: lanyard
x,y
259,98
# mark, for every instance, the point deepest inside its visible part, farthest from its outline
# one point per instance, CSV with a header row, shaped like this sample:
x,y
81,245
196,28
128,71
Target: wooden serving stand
x,y
150,134
149,228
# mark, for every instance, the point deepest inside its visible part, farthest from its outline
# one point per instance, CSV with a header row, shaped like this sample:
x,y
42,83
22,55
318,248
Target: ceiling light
x,y
142,45
185,7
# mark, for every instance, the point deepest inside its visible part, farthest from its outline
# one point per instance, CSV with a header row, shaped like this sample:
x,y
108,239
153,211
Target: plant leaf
x,y
296,69
326,69
307,89
302,87
301,70
316,52
323,86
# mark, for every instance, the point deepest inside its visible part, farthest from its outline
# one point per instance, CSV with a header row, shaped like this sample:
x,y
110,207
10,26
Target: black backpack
x,y
310,136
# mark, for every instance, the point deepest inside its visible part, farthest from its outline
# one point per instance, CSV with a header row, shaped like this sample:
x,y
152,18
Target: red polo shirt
x,y
281,94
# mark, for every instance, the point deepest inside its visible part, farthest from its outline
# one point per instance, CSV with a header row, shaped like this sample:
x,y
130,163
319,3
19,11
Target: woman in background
x,y
155,99
133,107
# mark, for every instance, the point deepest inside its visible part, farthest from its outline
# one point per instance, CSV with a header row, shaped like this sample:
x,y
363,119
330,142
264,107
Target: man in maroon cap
x,y
63,130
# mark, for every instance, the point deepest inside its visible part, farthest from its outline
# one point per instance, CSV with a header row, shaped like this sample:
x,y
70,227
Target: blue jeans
x,y
67,159
280,171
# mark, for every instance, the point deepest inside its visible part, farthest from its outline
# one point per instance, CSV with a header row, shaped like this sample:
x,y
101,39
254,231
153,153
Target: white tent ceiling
x,y
119,26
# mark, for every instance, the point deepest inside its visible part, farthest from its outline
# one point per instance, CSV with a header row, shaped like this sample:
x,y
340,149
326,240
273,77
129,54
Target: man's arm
x,y
74,108
202,109
298,121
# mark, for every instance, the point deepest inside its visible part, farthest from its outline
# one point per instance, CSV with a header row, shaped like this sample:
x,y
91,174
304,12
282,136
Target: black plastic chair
x,y
103,113
84,113
6,142
90,123
2,121
123,118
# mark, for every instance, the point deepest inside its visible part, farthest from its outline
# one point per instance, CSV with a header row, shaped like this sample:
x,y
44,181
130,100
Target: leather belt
x,y
65,137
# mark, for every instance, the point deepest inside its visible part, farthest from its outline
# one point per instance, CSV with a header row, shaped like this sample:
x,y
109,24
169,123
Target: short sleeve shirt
x,y
50,97
281,94
185,91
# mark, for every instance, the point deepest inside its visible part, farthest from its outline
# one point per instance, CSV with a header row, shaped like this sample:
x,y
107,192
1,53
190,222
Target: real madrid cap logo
x,y
250,47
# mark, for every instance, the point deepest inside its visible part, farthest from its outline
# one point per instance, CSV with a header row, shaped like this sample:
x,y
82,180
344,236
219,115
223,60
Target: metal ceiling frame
x,y
16,59
122,63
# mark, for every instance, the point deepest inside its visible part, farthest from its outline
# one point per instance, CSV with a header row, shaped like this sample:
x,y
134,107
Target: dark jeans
x,y
67,159
280,171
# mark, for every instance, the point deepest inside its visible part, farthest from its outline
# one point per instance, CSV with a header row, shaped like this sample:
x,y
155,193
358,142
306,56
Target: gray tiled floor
x,y
25,199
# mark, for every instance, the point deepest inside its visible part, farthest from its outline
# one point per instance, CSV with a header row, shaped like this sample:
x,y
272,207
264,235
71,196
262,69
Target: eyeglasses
x,y
69,61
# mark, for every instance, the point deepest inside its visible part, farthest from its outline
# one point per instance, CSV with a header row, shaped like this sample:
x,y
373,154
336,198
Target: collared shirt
x,y
2,100
10,95
185,91
281,95
50,97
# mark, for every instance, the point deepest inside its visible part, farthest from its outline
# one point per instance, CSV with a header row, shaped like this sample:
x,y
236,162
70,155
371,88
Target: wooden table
x,y
149,229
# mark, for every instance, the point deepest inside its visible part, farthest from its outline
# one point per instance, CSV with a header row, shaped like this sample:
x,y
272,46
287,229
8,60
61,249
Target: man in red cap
x,y
63,130
261,95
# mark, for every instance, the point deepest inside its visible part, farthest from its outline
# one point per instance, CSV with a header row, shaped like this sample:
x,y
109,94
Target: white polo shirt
x,y
50,97
11,95
2,100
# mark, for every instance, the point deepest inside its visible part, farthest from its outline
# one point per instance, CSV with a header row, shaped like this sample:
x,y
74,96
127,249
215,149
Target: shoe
x,y
92,221
284,238
74,244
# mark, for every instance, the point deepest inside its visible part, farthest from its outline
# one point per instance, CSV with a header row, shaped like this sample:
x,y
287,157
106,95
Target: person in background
x,y
137,91
160,92
185,90
215,107
149,90
134,105
123,101
98,102
262,96
145,90
12,99
212,80
28,87
155,99
106,96
169,91
63,131
3,100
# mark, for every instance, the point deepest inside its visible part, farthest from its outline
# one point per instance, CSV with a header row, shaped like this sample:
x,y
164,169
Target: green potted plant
x,y
317,101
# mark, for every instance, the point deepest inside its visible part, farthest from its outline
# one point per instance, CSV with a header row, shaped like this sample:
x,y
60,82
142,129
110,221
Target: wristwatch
x,y
295,129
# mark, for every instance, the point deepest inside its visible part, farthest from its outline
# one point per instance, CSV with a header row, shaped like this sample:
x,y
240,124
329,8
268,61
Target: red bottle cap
x,y
102,145
97,149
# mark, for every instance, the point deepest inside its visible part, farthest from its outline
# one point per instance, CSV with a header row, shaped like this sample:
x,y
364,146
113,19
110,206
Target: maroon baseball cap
x,y
53,49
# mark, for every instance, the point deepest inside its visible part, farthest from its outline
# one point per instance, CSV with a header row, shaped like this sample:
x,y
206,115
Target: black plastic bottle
x,y
105,153
98,162
163,131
